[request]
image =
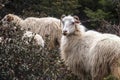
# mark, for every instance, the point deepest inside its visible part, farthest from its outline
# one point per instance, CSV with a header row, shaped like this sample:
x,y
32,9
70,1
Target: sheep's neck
x,y
72,53
70,44
18,21
73,39
74,34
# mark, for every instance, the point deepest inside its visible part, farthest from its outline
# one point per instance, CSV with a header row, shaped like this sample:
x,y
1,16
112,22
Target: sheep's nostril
x,y
64,32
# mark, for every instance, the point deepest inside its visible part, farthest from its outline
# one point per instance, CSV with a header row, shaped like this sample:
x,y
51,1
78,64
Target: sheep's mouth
x,y
65,34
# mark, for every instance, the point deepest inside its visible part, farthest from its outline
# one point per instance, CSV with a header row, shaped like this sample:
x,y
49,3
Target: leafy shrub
x,y
97,15
20,61
107,27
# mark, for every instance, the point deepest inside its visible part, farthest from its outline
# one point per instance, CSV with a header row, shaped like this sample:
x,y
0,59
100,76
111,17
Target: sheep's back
x,y
75,52
104,53
45,27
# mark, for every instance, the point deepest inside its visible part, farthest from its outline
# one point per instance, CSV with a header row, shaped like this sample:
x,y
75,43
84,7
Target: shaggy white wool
x,y
38,40
46,26
89,54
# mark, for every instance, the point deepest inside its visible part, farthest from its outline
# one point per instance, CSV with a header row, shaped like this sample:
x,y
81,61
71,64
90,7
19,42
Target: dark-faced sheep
x,y
46,26
89,54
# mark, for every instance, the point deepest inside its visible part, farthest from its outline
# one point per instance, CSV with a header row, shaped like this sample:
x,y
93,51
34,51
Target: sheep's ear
x,y
77,20
62,16
76,17
9,18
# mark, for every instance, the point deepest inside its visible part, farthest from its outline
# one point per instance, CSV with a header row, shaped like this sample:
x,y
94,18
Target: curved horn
x,y
63,16
76,17
77,20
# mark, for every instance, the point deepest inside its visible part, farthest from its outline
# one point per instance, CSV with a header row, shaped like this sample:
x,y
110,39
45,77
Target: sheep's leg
x,y
83,78
97,77
51,44
99,72
115,70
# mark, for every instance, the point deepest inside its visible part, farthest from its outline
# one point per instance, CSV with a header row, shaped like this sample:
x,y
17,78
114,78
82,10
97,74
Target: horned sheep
x,y
46,26
89,54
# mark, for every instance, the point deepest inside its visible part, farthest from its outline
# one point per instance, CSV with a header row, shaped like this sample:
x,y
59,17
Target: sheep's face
x,y
69,24
37,39
7,19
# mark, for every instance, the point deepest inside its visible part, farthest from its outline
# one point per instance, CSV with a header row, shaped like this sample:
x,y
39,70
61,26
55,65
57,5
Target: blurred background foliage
x,y
89,11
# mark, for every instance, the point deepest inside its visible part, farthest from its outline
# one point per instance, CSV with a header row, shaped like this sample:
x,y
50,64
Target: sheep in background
x,y
8,34
1,38
11,19
37,39
89,54
46,26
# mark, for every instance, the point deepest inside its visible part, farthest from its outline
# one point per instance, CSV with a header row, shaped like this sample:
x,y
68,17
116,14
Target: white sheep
x,y
89,54
1,38
46,26
37,39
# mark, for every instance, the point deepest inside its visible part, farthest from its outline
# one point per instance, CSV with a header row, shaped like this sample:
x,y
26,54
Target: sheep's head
x,y
69,24
7,19
11,19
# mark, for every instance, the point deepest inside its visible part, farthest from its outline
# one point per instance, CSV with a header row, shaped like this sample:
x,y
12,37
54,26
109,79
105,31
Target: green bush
x,y
20,61
96,15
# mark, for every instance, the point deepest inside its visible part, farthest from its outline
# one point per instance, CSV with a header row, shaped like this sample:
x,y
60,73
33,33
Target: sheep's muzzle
x,y
64,33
